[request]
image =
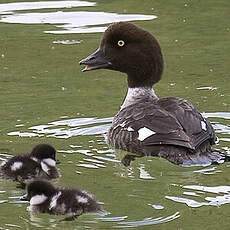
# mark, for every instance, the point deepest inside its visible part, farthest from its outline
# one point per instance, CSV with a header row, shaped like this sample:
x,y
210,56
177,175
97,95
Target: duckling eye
x,y
120,43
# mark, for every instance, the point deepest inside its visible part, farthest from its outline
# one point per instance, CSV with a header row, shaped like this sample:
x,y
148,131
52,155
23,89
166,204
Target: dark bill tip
x,y
96,60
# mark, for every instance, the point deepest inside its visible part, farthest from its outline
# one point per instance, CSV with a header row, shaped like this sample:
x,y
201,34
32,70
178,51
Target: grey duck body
x,y
179,132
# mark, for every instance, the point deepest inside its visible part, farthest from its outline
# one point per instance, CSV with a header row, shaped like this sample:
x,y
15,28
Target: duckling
x,y
147,125
39,163
71,202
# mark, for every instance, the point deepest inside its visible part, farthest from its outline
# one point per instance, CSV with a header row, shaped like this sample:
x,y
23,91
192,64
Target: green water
x,y
41,82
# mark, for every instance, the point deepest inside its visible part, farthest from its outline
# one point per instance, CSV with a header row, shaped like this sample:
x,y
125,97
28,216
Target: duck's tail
x,y
201,157
206,158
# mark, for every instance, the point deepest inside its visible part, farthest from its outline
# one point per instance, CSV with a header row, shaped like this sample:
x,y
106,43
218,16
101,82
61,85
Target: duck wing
x,y
195,126
172,122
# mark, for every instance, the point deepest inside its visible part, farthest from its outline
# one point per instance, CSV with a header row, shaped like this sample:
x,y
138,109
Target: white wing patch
x,y
144,133
54,199
49,161
38,199
82,199
130,129
16,165
203,125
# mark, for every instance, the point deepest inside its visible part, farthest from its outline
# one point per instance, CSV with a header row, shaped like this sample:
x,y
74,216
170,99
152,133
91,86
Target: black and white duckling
x,y
39,163
169,127
45,198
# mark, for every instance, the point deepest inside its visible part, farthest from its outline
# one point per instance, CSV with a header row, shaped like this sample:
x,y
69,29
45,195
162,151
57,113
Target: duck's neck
x,y
135,94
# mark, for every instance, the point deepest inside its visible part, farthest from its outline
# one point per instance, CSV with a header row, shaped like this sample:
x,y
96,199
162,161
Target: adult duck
x,y
147,125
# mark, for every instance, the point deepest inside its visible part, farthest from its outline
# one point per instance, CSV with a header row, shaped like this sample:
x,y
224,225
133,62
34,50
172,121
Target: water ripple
x,y
67,128
208,171
3,201
112,219
222,198
149,221
144,174
157,206
224,115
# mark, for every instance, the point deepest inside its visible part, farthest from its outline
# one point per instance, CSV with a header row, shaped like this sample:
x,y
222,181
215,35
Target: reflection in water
x,y
207,88
157,206
67,42
224,115
113,219
14,226
6,8
220,128
217,189
208,171
144,174
74,22
92,158
71,22
68,128
222,198
38,222
3,201
4,157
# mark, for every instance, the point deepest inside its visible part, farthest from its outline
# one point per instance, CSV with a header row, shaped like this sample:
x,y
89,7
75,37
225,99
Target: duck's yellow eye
x,y
121,43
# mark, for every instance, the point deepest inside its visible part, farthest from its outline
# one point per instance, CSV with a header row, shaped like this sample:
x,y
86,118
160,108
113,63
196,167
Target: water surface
x,y
46,98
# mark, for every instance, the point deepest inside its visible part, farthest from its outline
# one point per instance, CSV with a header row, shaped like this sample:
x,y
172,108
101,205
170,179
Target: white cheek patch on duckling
x,y
16,165
88,194
203,125
49,161
45,167
82,199
144,133
3,163
38,199
54,199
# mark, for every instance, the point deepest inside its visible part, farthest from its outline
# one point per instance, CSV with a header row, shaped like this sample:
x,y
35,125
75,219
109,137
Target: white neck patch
x,y
135,94
49,161
38,199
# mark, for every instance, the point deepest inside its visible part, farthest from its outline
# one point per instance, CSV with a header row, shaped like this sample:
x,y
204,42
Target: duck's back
x,y
20,168
169,127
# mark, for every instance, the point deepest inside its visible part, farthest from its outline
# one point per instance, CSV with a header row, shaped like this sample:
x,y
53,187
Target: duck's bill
x,y
96,60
